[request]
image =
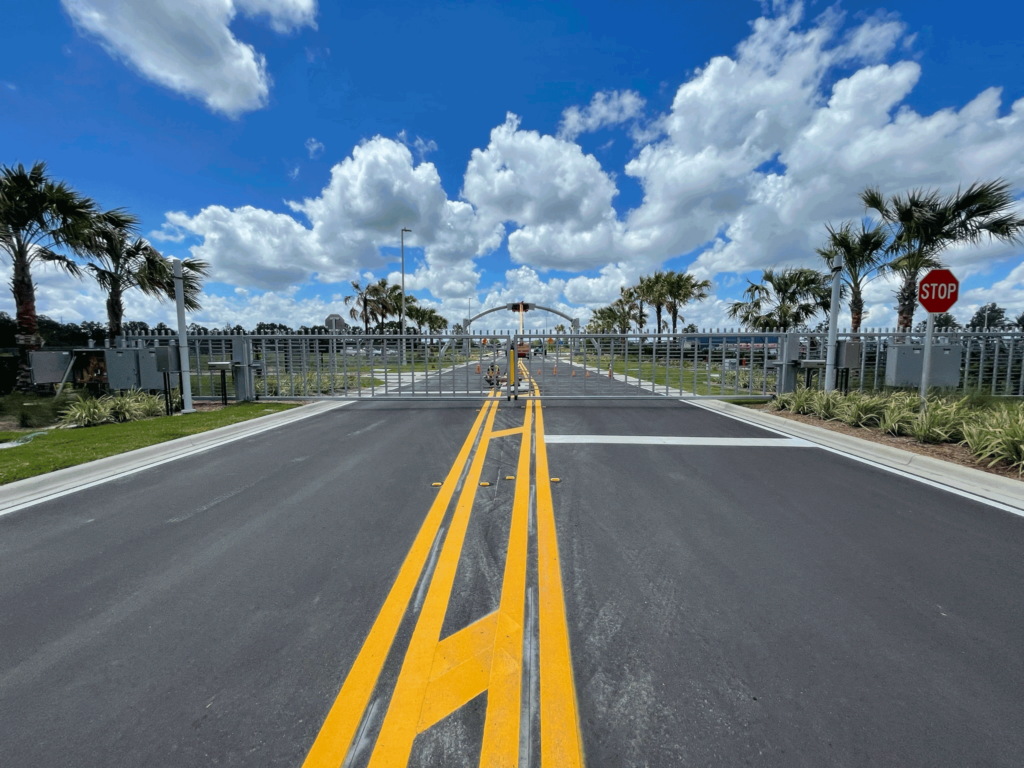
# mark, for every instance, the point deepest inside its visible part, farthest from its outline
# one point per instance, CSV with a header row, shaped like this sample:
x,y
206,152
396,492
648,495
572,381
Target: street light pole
x,y
404,230
833,323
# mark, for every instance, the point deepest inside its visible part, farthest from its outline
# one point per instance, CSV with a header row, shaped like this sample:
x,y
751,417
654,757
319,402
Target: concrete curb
x,y
985,485
33,490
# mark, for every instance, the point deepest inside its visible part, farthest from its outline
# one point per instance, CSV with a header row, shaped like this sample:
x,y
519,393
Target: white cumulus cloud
x,y
605,109
188,46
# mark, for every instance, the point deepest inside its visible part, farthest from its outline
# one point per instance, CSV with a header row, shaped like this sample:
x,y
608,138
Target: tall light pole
x,y
404,230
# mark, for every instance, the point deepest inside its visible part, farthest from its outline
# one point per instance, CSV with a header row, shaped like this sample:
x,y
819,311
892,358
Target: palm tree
x,y
120,263
682,289
38,215
654,290
862,256
614,317
922,224
365,303
784,299
630,304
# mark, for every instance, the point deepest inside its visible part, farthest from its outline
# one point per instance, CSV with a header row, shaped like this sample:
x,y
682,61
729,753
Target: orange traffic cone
x,y
540,371
609,371
478,367
588,374
574,373
555,371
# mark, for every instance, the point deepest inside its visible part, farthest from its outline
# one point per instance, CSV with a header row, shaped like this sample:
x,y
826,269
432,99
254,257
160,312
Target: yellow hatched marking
x,y
561,744
462,666
394,744
508,432
504,695
339,728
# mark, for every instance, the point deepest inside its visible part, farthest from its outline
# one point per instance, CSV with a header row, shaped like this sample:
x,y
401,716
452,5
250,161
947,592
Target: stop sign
x,y
938,290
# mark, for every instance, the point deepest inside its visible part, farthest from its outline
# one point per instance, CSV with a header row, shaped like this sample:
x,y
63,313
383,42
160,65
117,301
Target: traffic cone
x,y
588,374
540,371
555,371
478,367
574,373
609,371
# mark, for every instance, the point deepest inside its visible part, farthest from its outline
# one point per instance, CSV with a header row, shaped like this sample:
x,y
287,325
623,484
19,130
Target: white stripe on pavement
x,y
745,442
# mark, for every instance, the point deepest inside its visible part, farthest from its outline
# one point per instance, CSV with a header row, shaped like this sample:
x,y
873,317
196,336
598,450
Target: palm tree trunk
x,y
856,312
675,319
906,301
27,337
115,313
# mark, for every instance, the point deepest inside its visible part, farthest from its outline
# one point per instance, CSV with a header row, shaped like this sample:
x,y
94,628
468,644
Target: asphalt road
x,y
729,604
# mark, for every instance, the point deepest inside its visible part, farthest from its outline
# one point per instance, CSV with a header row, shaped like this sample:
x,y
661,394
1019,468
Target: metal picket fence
x,y
718,363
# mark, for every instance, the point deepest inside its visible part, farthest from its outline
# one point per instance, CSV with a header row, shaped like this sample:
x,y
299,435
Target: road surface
x,y
693,590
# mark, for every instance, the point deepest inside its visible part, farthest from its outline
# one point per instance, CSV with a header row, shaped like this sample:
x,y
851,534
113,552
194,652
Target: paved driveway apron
x,y
347,590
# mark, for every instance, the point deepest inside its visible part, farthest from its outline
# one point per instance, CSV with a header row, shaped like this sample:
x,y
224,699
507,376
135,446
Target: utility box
x,y
904,364
168,359
122,368
150,375
848,354
49,367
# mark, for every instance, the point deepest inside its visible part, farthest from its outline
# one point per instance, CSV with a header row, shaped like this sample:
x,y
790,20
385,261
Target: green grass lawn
x,y
706,382
60,448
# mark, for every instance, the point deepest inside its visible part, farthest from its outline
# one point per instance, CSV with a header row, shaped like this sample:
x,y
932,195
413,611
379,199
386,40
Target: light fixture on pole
x,y
404,230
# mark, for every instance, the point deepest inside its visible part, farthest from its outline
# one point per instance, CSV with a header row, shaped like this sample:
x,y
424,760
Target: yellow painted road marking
x,y
561,744
394,744
440,676
501,728
339,728
508,432
461,669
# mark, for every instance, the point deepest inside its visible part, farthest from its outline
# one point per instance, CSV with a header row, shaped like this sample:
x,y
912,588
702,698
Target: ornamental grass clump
x,y
127,406
859,410
997,436
802,402
900,412
826,405
87,412
939,422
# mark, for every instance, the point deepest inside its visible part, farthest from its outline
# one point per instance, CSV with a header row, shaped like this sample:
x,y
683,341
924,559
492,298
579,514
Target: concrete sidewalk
x,y
32,490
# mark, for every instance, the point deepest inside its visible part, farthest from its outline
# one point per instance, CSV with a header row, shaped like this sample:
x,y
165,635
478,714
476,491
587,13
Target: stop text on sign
x,y
938,290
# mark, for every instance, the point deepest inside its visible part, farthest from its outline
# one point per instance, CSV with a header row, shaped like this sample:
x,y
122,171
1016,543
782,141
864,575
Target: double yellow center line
x,y
440,675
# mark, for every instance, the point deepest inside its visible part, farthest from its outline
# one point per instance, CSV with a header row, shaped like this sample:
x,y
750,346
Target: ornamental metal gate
x,y
621,366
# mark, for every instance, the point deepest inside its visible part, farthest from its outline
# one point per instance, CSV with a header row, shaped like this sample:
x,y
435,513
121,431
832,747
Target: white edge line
x,y
901,472
175,457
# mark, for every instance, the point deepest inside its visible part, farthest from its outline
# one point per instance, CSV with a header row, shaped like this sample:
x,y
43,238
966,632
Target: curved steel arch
x,y
504,308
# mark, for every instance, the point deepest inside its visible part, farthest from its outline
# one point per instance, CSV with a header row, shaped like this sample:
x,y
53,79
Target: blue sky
x,y
548,151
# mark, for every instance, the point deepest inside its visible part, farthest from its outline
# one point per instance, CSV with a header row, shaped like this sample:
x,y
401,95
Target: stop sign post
x,y
937,292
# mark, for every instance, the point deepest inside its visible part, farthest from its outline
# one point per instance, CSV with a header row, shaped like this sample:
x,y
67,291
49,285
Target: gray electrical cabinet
x,y
123,368
848,354
904,364
150,376
168,359
49,367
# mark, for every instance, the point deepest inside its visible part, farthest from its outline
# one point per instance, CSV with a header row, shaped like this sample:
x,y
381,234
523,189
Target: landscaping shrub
x,y
900,412
825,405
939,422
860,410
802,401
87,412
127,406
998,436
